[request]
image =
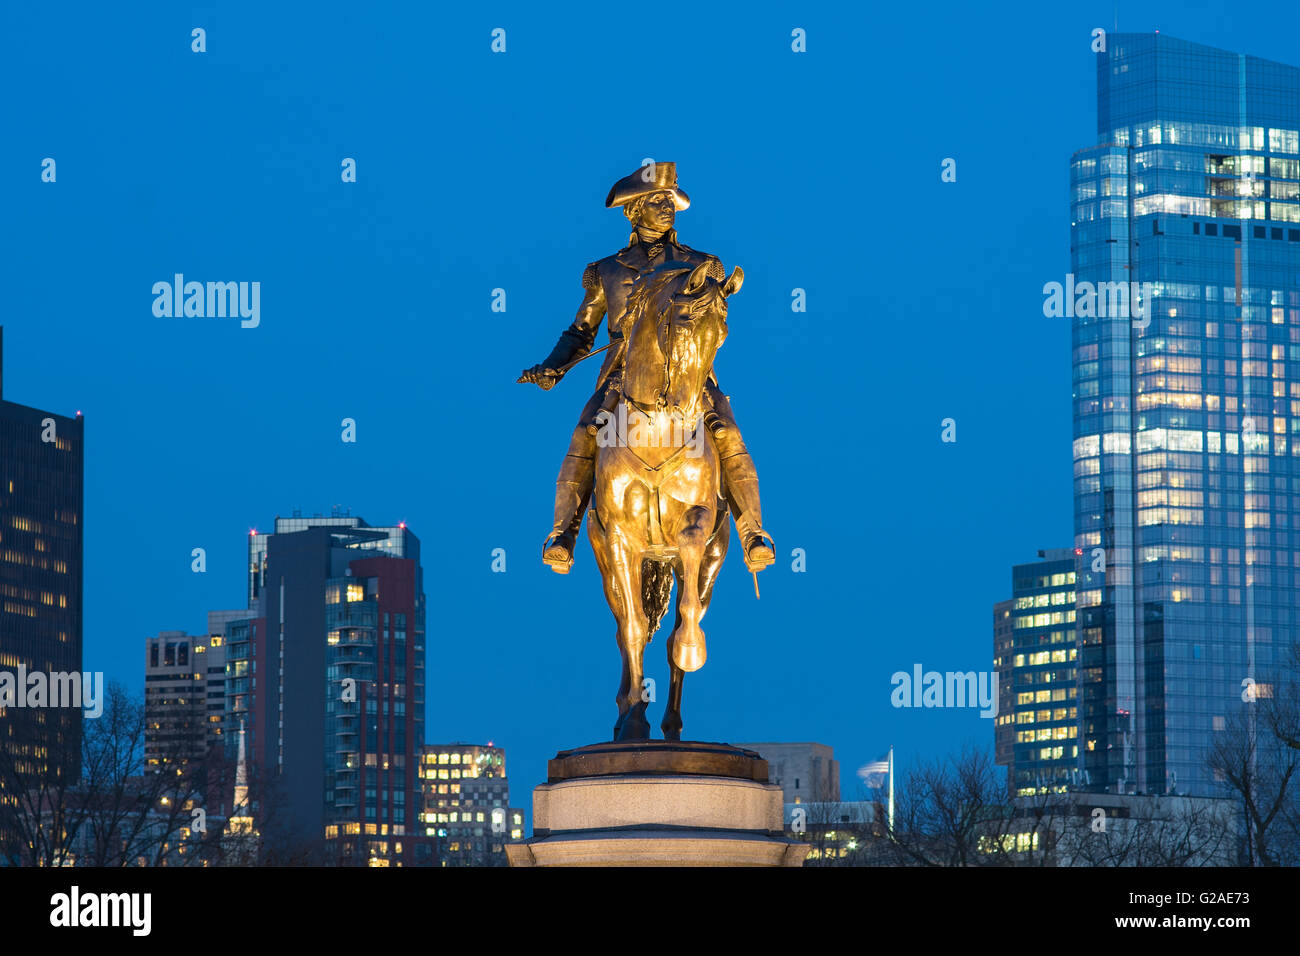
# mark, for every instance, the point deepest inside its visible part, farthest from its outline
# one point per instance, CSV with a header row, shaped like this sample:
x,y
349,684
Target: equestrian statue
x,y
656,454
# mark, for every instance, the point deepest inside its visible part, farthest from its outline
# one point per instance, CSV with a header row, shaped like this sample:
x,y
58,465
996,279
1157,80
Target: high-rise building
x,y
326,673
1003,723
41,473
184,696
1034,652
1186,402
467,804
805,772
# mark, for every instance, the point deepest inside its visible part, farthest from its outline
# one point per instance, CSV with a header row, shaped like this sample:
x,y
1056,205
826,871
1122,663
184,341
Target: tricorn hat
x,y
651,178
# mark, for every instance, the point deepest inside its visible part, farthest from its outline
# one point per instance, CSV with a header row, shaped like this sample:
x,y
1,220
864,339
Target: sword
x,y
568,365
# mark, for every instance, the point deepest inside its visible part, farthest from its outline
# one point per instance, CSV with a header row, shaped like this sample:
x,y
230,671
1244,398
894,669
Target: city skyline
x,y
269,414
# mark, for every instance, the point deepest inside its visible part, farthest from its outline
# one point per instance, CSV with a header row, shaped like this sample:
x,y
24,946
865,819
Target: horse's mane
x,y
653,293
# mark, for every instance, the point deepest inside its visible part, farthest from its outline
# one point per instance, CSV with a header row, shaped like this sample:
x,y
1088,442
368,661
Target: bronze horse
x,y
657,514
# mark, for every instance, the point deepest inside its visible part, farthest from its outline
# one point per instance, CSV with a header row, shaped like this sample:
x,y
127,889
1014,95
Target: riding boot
x,y
740,485
739,481
572,493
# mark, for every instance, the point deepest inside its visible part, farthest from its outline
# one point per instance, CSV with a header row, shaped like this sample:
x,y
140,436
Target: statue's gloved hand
x,y
541,376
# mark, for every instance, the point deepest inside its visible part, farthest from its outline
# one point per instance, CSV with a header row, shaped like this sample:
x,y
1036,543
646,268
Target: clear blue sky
x,y
479,171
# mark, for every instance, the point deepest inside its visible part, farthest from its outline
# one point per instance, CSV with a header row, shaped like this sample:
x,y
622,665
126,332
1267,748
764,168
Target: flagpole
x,y
891,789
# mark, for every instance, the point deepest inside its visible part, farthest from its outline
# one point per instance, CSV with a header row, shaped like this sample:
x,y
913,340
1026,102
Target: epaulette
x,y
715,264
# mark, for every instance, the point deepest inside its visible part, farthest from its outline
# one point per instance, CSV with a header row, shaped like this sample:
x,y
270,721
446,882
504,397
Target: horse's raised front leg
x,y
688,638
714,554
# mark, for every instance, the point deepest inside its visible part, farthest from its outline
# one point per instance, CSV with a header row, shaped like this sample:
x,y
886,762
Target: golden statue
x,y
657,442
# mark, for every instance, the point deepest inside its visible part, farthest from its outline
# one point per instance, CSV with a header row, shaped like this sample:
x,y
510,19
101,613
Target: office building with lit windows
x,y
467,804
184,697
41,480
1035,649
1186,405
327,674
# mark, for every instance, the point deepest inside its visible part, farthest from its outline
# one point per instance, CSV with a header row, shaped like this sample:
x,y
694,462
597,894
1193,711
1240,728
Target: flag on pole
x,y
873,774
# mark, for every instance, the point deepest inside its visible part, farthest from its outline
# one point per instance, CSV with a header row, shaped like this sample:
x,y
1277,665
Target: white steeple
x,y
241,775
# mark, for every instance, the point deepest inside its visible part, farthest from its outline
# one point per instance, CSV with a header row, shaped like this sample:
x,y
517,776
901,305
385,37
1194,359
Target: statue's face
x,y
658,211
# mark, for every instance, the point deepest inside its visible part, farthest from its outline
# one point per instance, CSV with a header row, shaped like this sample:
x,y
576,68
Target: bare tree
x,y
37,822
955,812
124,810
136,813
837,831
1155,831
1260,770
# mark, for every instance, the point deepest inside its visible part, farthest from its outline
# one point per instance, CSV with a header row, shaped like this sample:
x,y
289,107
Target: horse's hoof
x,y
632,725
672,732
689,656
633,730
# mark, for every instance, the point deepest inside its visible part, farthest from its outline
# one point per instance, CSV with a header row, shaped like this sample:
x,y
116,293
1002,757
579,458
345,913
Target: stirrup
x,y
556,553
764,540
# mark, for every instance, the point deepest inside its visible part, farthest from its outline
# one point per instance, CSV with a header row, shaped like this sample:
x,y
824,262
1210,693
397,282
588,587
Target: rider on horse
x,y
650,199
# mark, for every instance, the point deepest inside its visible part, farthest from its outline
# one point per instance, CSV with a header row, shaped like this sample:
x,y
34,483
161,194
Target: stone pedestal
x,y
657,803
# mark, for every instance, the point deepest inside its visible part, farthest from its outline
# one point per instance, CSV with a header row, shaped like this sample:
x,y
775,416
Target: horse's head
x,y
678,318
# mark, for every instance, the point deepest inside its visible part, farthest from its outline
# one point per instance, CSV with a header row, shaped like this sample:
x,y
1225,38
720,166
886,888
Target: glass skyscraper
x,y
1035,649
41,519
1186,404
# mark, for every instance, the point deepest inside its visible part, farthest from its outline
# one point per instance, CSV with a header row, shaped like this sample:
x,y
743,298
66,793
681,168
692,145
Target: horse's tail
x,y
656,589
